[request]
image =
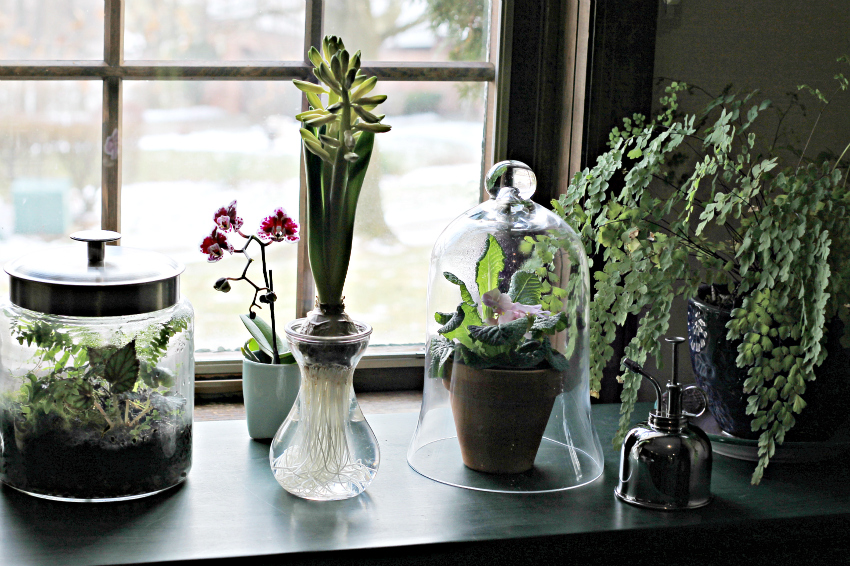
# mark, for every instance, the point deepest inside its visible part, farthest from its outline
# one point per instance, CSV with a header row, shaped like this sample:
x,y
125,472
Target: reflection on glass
x,y
424,173
411,30
50,174
192,147
214,30
47,29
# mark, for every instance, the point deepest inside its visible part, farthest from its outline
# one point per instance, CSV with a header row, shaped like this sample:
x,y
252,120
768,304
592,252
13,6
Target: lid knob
x,y
97,240
511,180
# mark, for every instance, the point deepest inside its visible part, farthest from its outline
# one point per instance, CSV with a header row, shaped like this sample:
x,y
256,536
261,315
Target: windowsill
x,y
371,403
382,368
209,365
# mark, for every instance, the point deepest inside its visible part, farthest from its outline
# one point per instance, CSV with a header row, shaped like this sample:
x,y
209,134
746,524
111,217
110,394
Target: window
x,y
144,117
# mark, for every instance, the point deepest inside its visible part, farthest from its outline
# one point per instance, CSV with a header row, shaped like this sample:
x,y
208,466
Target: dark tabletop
x,y
231,507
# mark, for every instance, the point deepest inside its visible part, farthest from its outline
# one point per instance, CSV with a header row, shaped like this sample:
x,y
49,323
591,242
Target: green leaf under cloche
x,y
454,322
489,265
465,295
441,350
501,334
550,324
525,288
555,358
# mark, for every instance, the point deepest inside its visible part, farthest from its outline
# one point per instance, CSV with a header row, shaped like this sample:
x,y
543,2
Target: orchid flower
x,y
225,218
506,310
278,227
215,245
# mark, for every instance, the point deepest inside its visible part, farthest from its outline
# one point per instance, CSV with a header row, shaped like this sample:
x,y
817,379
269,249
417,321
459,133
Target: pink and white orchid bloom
x,y
225,218
215,245
278,227
505,309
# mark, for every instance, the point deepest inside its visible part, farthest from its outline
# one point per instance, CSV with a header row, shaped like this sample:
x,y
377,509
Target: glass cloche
x,y
96,373
506,400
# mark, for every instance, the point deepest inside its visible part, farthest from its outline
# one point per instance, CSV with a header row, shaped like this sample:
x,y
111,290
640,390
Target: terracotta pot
x,y
500,415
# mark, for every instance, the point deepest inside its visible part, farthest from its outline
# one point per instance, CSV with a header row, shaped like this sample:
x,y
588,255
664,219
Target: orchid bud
x,y
222,285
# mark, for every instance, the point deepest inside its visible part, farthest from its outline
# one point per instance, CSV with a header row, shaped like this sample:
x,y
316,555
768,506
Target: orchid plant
x,y
506,330
277,227
337,135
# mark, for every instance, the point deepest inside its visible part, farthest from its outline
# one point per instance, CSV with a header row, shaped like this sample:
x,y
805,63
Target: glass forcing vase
x,y
325,449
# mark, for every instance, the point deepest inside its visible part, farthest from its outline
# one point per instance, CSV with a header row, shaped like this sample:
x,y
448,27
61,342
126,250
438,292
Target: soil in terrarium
x,y
53,456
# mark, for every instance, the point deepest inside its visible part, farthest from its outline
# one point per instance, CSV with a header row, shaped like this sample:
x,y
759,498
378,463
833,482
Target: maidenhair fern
x,y
686,200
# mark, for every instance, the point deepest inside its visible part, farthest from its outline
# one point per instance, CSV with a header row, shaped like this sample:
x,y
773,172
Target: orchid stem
x,y
276,355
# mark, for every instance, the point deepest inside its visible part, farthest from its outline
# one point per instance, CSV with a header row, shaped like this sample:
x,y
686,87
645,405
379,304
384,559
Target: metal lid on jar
x,y
94,280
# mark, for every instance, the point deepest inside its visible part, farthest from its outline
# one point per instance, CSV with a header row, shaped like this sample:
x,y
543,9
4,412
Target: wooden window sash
x,y
113,70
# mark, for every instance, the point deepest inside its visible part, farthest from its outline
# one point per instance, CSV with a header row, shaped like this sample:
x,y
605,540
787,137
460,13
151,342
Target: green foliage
x,y
76,380
480,340
464,23
261,334
338,137
685,200
118,366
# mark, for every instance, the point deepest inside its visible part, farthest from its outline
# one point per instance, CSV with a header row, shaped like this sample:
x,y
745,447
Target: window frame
x,y
552,66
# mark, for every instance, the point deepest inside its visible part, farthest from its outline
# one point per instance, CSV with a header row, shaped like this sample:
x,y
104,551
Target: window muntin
x,y
117,78
423,174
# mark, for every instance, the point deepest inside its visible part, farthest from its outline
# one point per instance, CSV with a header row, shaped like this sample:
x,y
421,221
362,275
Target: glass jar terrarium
x,y
96,373
506,400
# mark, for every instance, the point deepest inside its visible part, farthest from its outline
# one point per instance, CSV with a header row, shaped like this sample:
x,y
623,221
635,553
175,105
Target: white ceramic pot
x,y
269,392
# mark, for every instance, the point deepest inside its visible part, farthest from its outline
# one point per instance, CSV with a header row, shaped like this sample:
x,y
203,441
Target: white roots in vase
x,y
318,463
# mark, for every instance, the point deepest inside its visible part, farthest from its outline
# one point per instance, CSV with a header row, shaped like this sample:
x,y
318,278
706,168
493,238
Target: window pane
x,y
214,30
411,30
423,174
192,147
47,29
50,174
